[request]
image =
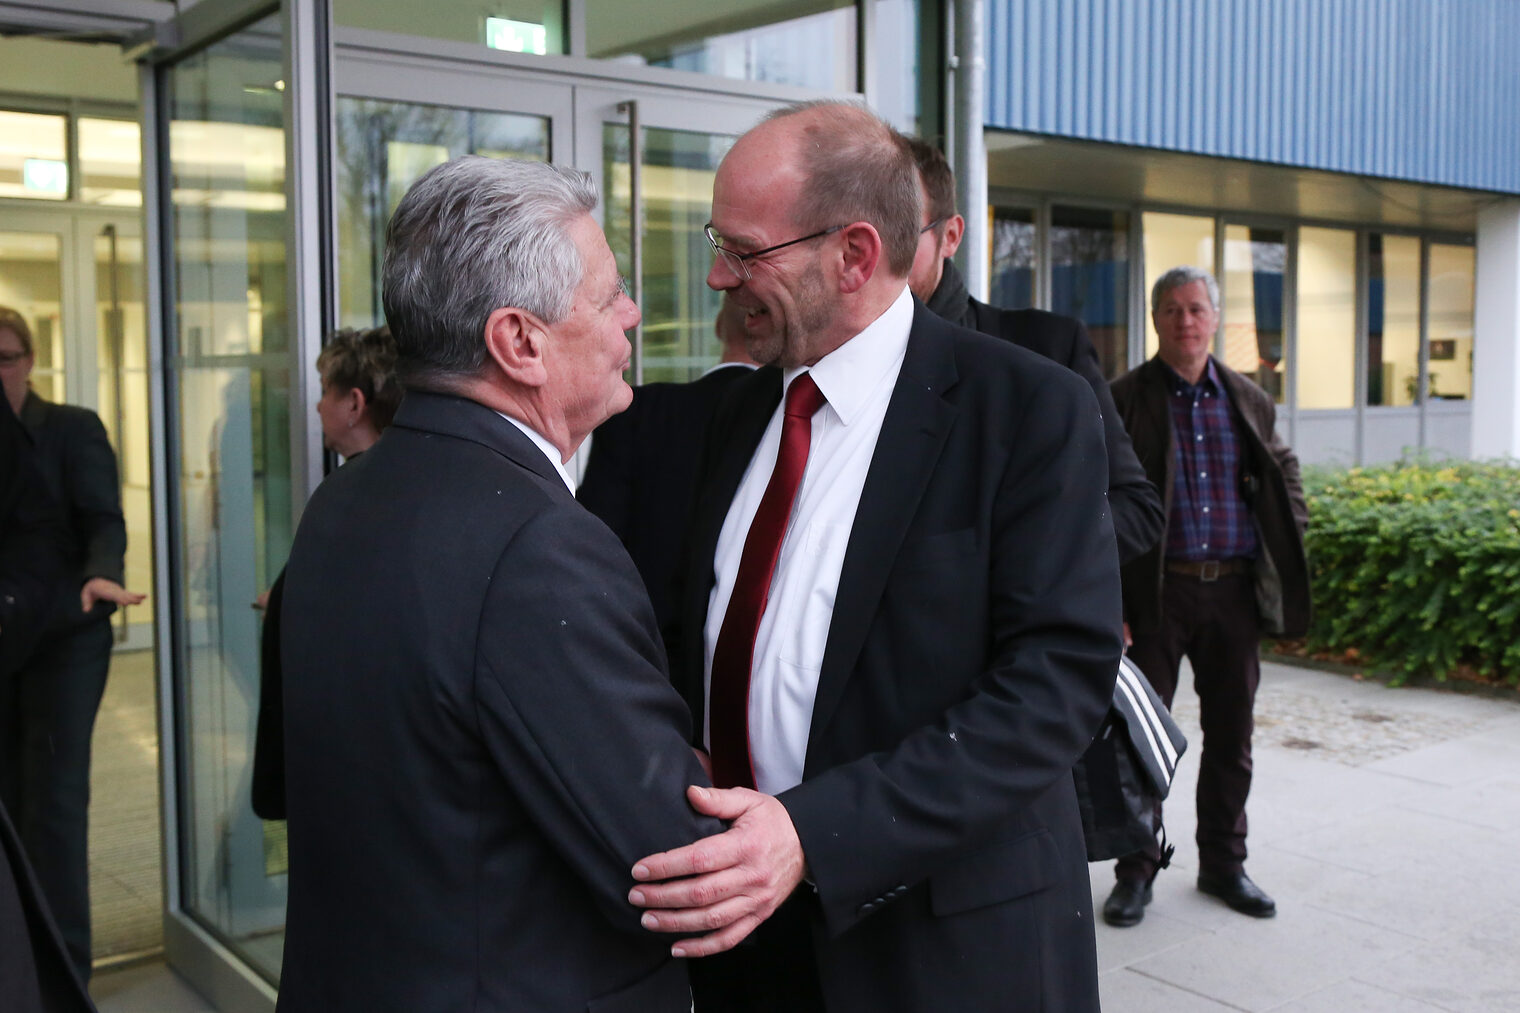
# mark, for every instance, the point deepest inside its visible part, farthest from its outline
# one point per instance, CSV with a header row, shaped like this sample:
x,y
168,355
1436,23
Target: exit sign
x,y
516,36
45,175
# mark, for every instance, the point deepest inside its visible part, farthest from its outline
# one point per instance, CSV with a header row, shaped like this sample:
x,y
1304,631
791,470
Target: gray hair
x,y
1179,276
471,236
857,171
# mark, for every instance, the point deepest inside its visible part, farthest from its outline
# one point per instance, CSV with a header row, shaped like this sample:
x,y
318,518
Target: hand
x,y
1129,641
737,879
261,600
101,589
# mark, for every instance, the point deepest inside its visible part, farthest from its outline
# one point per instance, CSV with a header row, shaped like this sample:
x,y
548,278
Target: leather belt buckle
x,y
1208,571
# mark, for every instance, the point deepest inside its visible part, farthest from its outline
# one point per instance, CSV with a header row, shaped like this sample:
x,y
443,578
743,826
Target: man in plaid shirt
x,y
1230,568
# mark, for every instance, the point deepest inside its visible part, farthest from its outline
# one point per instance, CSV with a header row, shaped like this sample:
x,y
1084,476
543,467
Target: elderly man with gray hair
x,y
1230,568
481,737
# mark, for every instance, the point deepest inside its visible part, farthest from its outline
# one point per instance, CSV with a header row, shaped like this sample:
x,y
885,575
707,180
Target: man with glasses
x,y
1138,520
901,615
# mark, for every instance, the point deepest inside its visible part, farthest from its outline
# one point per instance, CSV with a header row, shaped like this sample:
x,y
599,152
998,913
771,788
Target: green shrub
x,y
1417,566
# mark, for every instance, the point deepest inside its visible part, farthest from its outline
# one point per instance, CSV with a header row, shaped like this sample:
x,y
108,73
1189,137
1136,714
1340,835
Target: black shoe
x,y
1237,891
1126,905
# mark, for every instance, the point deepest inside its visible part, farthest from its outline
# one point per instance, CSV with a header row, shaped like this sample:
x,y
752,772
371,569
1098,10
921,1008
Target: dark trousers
x,y
56,696
1214,624
774,969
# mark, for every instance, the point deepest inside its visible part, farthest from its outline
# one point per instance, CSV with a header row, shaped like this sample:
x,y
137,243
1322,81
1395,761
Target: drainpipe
x,y
969,157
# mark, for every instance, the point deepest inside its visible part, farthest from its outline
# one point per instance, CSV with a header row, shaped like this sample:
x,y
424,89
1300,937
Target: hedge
x,y
1416,566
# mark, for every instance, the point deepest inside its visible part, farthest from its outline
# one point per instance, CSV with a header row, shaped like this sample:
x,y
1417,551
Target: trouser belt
x,y
1208,570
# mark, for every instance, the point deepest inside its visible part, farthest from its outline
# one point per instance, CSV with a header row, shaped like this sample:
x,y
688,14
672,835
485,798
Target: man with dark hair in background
x,y
935,280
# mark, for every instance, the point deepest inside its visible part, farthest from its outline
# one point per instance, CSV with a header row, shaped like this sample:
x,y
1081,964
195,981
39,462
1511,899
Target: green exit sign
x,y
45,175
516,36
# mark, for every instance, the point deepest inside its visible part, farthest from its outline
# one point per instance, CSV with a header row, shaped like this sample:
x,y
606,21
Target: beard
x,y
790,342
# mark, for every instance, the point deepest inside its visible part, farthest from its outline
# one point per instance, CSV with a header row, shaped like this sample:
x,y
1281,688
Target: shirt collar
x,y
851,373
1208,381
549,449
709,371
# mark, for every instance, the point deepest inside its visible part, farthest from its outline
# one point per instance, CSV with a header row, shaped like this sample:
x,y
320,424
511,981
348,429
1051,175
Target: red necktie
x,y
733,657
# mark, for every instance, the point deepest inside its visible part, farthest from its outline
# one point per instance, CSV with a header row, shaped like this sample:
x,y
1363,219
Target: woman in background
x,y
360,394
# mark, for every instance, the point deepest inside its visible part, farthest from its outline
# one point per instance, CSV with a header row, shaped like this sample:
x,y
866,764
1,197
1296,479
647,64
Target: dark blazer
x,y
36,975
642,474
1136,504
79,467
480,737
1282,573
970,658
31,545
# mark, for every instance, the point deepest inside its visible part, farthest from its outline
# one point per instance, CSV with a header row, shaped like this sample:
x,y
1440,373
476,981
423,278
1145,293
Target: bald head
x,y
849,165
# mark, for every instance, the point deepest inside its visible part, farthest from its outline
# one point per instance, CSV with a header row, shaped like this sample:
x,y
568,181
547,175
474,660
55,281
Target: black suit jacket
x,y
1282,571
79,467
642,474
480,737
1136,503
970,658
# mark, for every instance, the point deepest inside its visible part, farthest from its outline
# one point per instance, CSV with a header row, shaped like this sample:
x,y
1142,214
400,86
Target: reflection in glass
x,y
1089,277
230,390
1013,258
1326,309
34,156
110,162
1452,270
679,309
382,148
1252,329
457,20
31,283
1393,320
811,43
1173,241
122,356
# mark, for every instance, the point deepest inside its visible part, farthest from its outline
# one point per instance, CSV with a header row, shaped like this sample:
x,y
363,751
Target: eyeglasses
x,y
932,225
739,262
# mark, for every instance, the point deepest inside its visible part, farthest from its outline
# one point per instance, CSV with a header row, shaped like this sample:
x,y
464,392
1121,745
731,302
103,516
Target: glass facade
x,y
229,390
1393,320
680,311
1326,366
531,26
1015,249
381,150
34,151
1251,327
1450,291
1089,276
31,283
811,44
110,162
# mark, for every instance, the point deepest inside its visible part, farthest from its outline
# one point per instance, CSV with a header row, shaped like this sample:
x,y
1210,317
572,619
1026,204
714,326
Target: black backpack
x,y
1128,770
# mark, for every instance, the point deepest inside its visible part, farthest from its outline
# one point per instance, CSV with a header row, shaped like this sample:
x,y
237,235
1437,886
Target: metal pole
x,y
970,154
636,228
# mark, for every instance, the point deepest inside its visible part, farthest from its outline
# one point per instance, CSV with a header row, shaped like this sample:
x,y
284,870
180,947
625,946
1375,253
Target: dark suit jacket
x,y
79,467
970,658
642,475
36,975
480,736
1136,504
1282,573
31,545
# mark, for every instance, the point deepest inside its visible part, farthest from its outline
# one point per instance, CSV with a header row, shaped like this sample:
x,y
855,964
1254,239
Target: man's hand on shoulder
x,y
727,884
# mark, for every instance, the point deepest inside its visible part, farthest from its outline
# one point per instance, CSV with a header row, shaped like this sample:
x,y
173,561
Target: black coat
x,y
79,467
1282,573
642,475
971,655
480,736
1136,504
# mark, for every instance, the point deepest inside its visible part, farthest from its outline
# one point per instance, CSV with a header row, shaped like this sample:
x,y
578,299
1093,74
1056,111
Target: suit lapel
x,y
913,434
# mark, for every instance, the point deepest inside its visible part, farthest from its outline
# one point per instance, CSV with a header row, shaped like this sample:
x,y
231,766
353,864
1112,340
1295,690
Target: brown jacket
x,y
1282,574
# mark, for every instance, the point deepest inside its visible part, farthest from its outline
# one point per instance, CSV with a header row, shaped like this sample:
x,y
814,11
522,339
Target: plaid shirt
x,y
1209,518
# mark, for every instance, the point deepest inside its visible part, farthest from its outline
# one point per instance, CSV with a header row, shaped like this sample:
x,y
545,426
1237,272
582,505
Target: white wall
x,y
1496,339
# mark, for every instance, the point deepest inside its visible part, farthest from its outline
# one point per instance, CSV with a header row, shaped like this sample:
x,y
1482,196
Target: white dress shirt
x,y
857,379
549,449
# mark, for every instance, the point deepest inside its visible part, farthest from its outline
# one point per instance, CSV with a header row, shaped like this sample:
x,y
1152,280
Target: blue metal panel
x,y
1423,90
